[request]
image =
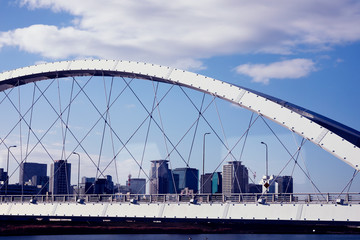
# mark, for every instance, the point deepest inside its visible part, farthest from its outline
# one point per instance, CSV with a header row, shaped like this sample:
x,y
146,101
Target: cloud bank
x,y
295,68
181,33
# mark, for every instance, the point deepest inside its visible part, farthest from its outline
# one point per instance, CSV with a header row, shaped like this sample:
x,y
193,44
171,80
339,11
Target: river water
x,y
189,237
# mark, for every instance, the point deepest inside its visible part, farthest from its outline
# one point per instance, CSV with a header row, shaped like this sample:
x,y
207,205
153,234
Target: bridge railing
x,y
331,198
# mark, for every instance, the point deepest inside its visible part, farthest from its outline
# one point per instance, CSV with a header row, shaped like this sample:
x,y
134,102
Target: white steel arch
x,y
339,140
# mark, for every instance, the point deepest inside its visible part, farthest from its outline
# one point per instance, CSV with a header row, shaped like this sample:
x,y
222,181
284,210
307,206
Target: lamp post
x,y
203,170
267,166
78,186
7,169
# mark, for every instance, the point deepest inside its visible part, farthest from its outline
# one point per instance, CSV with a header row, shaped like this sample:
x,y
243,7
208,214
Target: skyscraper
x,y
3,175
284,184
137,185
187,178
87,185
60,177
212,183
206,183
29,170
104,185
161,180
235,178
216,182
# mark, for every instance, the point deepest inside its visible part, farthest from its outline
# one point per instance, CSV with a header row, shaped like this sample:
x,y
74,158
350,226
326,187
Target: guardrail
x,y
334,198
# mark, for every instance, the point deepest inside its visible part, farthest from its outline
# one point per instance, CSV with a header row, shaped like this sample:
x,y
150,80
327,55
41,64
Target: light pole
x,y
7,169
266,184
267,166
78,186
203,170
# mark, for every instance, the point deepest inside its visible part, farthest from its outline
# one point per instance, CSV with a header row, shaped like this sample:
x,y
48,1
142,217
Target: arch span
x,y
340,140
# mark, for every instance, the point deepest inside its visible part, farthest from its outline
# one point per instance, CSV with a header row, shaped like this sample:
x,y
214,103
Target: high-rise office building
x,y
186,178
206,183
235,178
3,175
28,170
87,185
60,177
161,179
284,184
136,185
212,183
42,183
216,182
104,185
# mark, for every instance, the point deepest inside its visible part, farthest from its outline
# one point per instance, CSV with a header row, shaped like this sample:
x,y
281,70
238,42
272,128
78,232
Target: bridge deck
x,y
293,213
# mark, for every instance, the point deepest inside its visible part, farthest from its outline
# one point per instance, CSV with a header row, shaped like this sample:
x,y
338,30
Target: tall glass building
x,y
186,178
235,178
28,170
216,182
211,183
60,177
285,184
161,179
137,185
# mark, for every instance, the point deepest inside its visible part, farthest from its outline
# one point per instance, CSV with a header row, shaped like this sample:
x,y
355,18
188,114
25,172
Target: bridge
x,y
322,212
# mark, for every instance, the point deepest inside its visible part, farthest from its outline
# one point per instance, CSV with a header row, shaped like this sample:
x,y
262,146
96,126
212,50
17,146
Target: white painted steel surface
x,y
234,211
287,118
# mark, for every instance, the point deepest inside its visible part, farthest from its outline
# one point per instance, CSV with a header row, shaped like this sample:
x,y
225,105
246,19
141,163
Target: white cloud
x,y
339,60
181,33
130,106
295,68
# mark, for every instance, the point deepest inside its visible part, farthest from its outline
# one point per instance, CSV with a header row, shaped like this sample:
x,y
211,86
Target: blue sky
x,y
304,51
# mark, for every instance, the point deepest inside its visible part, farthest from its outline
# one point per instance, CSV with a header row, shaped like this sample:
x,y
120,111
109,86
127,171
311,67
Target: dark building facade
x,y
206,183
104,185
186,178
161,179
29,170
212,183
97,186
16,189
255,188
3,175
136,185
87,185
216,182
235,178
60,177
285,184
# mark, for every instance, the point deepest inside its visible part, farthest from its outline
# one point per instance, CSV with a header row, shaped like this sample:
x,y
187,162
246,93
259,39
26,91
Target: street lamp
x,y
7,169
203,175
267,166
266,184
78,186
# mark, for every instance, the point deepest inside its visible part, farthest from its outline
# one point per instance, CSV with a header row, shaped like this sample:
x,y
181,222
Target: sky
x,y
303,51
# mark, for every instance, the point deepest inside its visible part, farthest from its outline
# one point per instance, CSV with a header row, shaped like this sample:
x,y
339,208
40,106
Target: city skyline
x,y
234,179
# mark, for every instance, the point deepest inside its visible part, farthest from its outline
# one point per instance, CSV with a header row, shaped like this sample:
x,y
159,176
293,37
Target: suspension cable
x,y
195,131
149,125
290,154
350,182
242,136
